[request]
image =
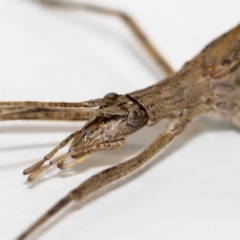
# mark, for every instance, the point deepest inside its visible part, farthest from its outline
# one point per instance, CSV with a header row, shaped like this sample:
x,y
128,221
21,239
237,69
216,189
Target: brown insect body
x,y
210,83
212,78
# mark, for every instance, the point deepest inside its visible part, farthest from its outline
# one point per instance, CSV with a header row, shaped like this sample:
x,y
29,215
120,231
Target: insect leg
x,y
37,165
52,110
91,103
37,113
130,23
112,174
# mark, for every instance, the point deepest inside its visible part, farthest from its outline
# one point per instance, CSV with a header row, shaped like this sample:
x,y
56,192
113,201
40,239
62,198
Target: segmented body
x,y
212,79
209,83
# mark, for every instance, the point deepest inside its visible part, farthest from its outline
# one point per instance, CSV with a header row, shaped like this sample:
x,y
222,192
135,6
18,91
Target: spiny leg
x,y
130,23
112,174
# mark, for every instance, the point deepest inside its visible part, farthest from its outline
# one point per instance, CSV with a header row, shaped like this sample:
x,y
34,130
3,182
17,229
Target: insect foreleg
x,y
117,172
36,166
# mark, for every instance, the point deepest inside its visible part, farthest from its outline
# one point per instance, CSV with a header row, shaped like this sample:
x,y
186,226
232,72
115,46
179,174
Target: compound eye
x,y
111,95
135,117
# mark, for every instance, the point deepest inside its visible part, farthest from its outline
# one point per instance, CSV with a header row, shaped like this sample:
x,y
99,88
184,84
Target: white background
x,y
190,191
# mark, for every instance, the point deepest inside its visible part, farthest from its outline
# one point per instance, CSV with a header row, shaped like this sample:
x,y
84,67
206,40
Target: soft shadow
x,y
28,146
200,126
17,164
138,142
19,127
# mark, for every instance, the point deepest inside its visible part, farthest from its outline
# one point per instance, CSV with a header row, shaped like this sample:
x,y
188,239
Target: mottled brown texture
x,y
208,77
209,83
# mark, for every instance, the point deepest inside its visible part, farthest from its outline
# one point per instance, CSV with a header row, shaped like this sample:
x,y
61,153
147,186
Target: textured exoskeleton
x,y
209,83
